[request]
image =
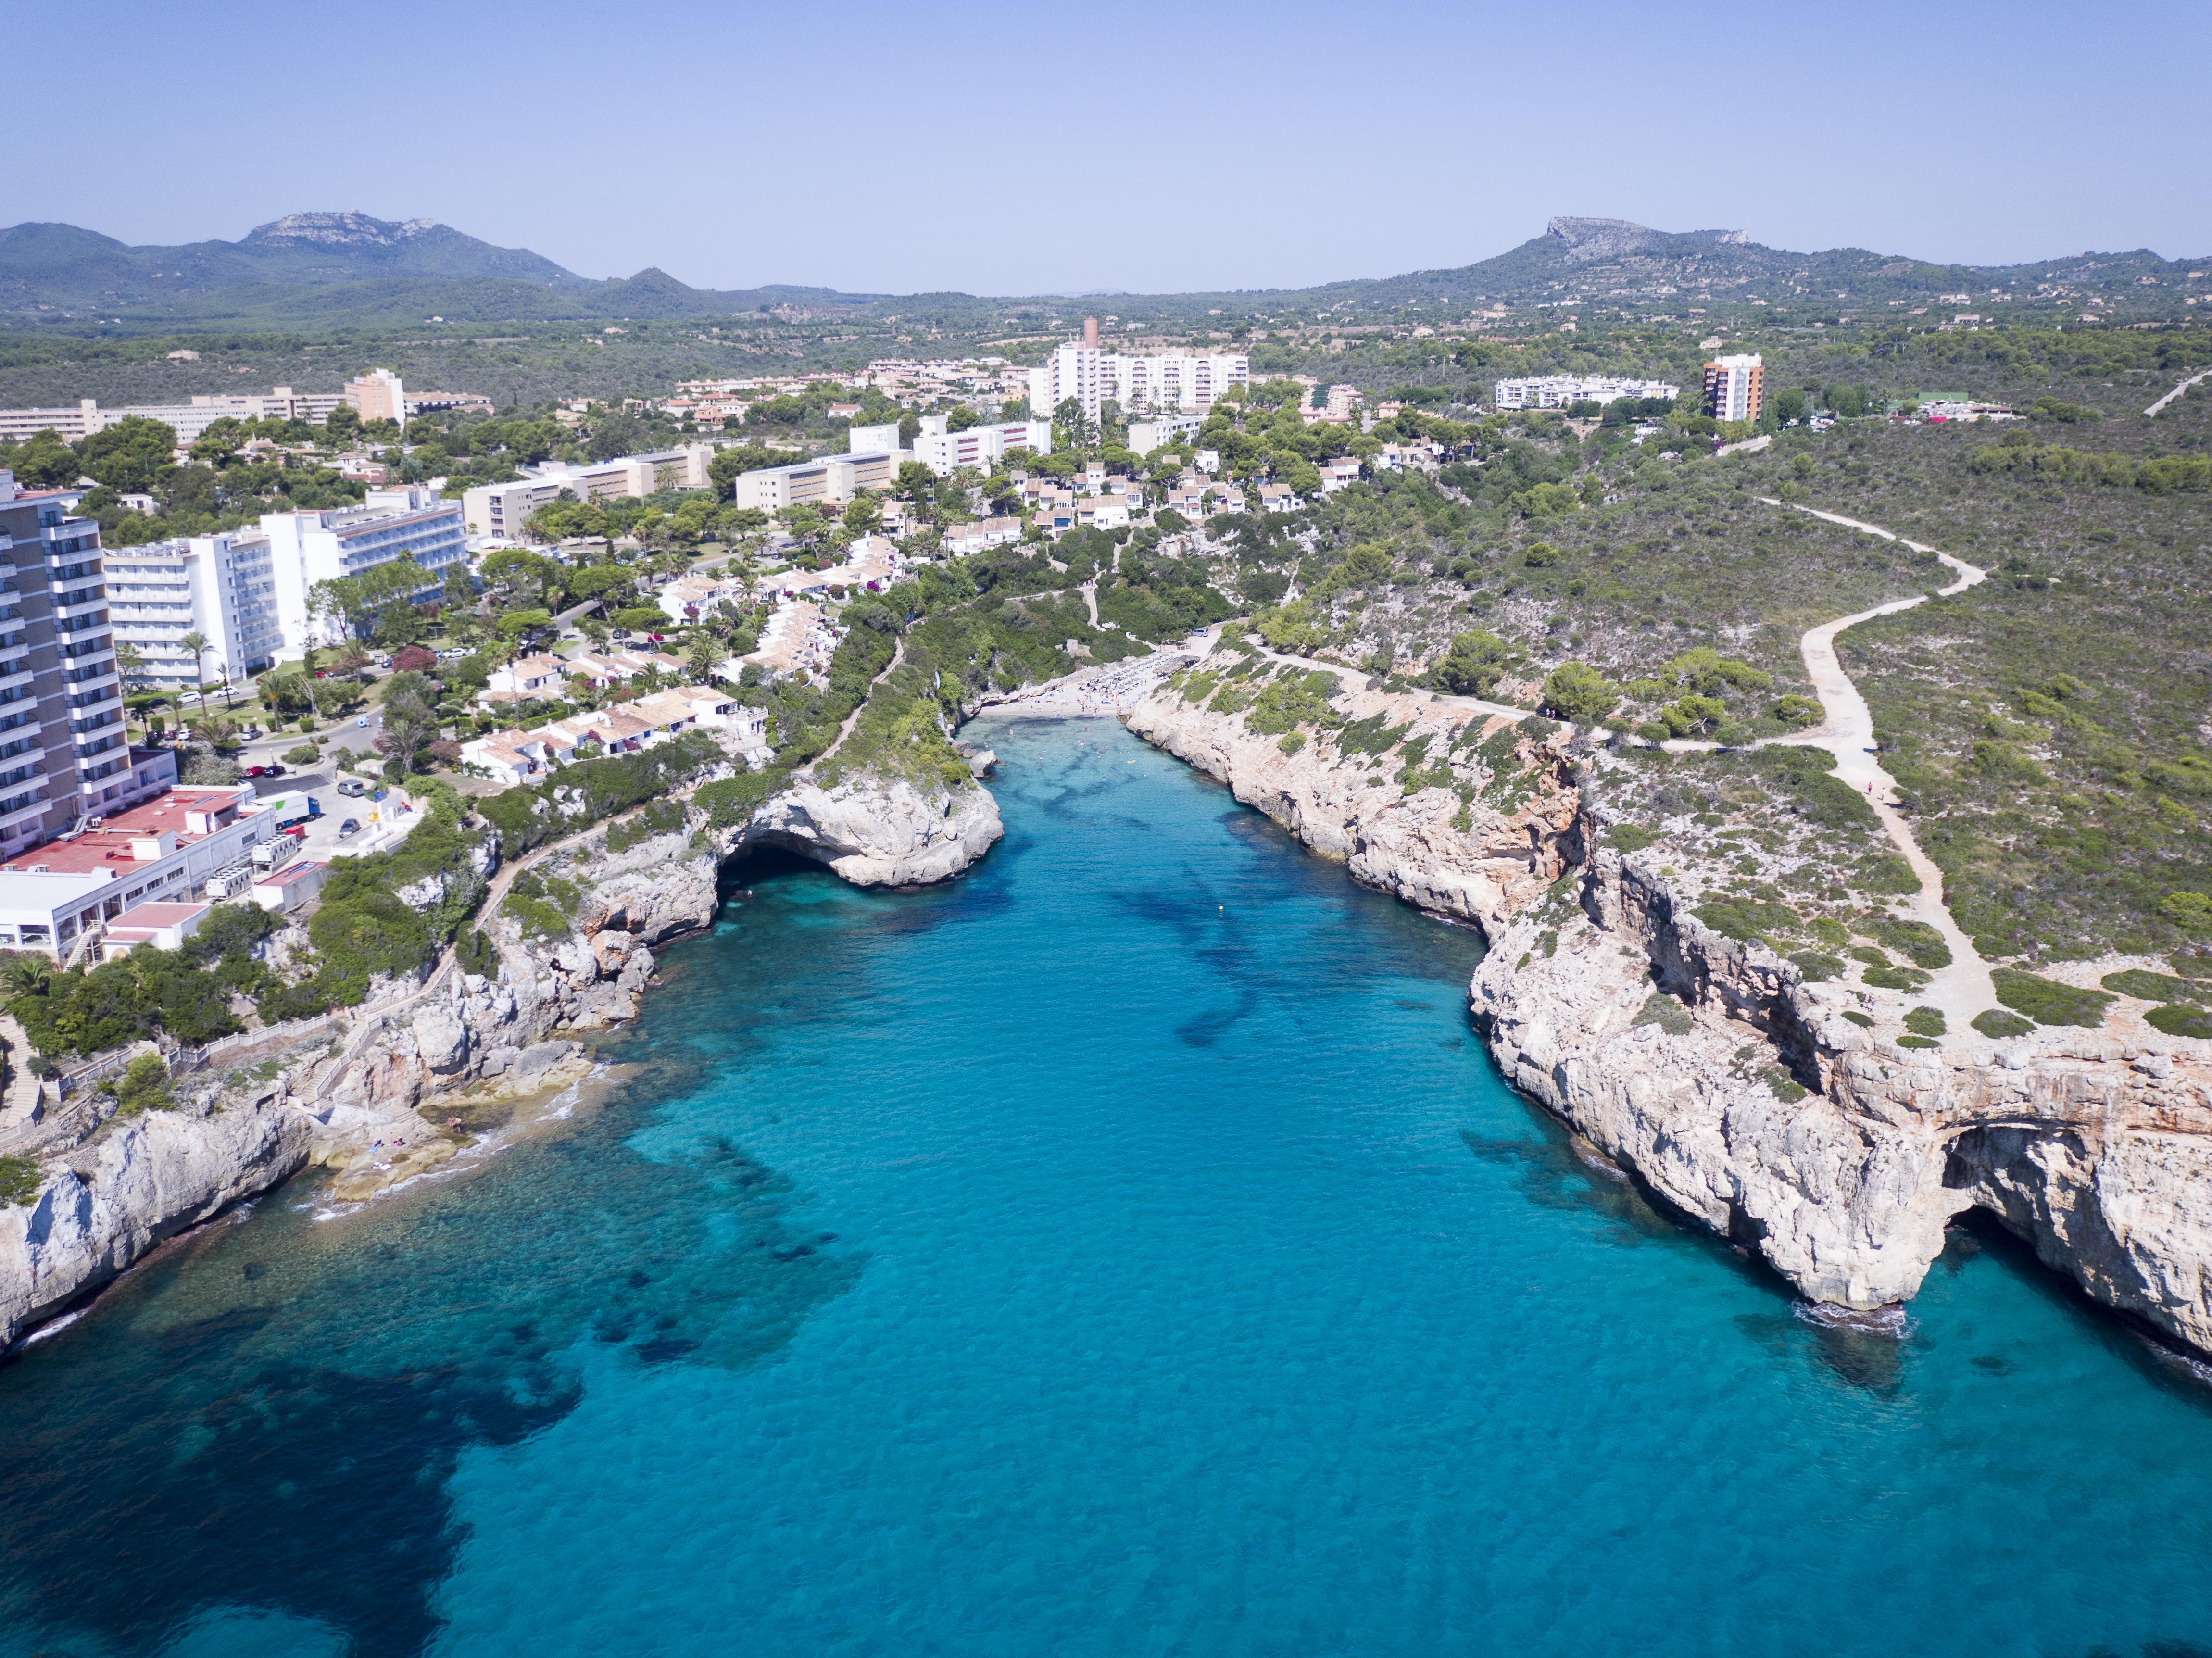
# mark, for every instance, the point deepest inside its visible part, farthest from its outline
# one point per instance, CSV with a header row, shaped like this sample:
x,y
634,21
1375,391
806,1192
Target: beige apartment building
x,y
378,395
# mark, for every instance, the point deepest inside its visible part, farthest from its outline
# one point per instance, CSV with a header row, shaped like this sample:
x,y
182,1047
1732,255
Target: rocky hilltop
x,y
356,1091
1742,1095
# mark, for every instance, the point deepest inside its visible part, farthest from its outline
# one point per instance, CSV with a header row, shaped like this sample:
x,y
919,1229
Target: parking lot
x,y
380,823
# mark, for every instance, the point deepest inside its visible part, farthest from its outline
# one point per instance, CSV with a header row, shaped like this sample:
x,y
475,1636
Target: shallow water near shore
x,y
1127,1248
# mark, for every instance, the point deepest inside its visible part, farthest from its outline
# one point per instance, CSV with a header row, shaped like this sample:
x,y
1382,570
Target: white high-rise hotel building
x,y
1172,382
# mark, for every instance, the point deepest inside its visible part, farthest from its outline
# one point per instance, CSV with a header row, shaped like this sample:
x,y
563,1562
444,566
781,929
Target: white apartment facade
x,y
1146,435
222,586
1171,382
309,547
979,447
190,420
1565,391
828,479
502,509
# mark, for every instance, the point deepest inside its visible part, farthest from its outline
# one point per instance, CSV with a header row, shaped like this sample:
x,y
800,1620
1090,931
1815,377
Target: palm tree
x,y
196,643
28,976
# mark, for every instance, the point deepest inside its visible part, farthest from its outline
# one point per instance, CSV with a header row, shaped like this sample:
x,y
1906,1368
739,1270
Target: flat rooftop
x,y
282,877
153,917
110,846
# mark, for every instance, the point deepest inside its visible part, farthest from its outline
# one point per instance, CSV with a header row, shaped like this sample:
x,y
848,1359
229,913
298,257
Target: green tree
x,y
129,663
916,483
702,659
516,623
2189,911
220,443
749,458
43,461
460,593
1074,429
1474,665
410,718
134,454
346,607
1576,691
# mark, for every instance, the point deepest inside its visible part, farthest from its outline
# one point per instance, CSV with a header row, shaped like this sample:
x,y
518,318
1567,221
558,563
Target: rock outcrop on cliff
x,y
1745,1098
1475,831
878,832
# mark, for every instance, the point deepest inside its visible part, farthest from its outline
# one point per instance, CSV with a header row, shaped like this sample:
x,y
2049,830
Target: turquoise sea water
x,y
1126,1250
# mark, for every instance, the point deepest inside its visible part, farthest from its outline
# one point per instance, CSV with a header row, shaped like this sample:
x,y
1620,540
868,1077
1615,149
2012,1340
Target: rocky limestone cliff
x,y
876,832
1473,837
1744,1097
1739,1094
355,1092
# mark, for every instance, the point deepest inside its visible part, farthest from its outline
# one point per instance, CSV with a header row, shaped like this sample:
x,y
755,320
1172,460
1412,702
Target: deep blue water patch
x,y
1126,1249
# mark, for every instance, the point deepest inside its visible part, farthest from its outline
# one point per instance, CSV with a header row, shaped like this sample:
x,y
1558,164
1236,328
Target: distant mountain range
x,y
319,270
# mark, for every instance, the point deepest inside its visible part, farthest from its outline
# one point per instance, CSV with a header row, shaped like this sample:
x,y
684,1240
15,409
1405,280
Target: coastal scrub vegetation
x,y
2047,728
19,1182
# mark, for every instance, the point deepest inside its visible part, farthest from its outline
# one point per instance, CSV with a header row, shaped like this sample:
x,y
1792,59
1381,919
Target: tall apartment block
x,y
222,586
1170,382
63,753
1736,387
378,395
305,548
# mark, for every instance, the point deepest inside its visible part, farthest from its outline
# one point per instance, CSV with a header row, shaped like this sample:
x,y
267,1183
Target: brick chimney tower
x,y
1090,333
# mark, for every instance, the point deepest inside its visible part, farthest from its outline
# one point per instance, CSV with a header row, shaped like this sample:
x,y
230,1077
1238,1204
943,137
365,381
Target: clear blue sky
x,y
1012,149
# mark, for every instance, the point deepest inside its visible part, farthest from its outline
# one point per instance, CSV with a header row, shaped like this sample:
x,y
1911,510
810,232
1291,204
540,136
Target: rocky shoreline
x,y
359,1093
1707,1068
1702,1067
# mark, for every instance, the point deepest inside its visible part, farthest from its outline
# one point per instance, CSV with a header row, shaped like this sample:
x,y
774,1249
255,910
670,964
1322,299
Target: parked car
x,y
348,829
351,787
